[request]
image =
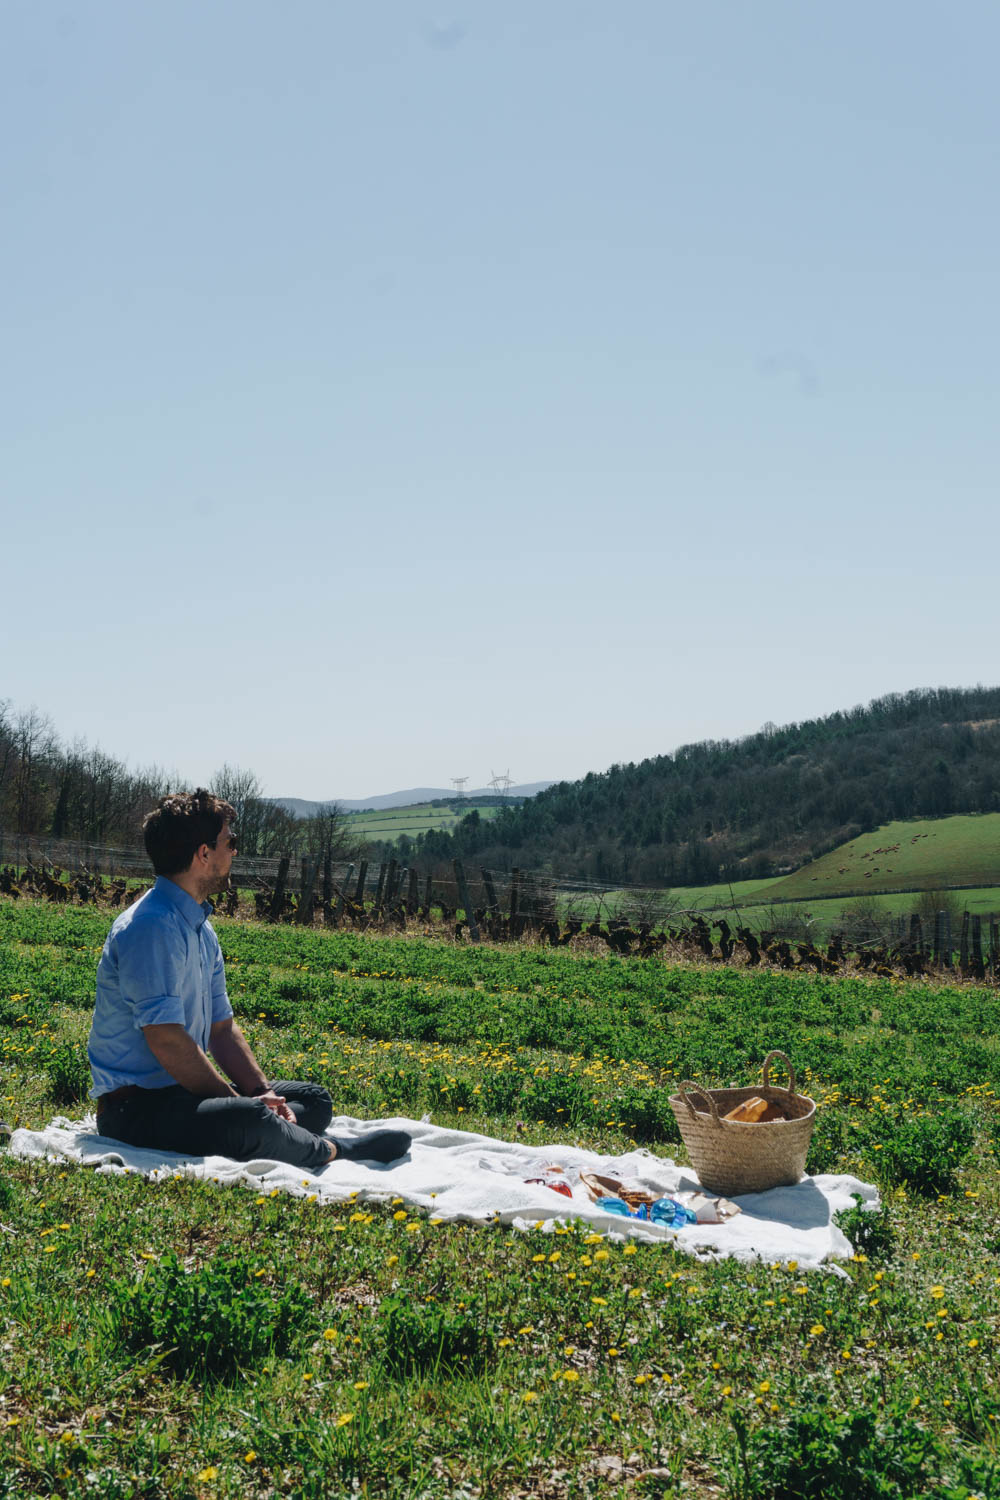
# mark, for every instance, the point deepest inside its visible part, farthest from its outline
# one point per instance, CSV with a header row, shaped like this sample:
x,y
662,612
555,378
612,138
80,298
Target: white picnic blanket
x,y
457,1175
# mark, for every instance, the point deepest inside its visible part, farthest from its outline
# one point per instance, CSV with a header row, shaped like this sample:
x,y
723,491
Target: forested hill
x,y
756,806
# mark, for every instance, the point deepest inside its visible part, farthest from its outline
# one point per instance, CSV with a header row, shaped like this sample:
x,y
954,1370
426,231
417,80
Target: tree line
x,y
80,793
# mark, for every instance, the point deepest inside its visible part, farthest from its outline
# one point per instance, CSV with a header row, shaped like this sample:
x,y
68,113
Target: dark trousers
x,y
172,1119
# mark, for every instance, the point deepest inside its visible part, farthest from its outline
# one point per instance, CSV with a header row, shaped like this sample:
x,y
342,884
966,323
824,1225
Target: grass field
x,y
926,854
420,818
363,1350
894,864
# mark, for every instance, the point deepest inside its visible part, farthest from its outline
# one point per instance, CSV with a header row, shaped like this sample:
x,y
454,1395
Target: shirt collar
x,y
194,912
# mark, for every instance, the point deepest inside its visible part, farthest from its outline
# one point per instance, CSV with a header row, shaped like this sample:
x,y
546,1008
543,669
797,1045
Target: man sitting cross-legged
x,y
162,1009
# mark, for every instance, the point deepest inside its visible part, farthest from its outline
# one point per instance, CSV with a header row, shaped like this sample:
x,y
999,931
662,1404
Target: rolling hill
x,y
760,807
302,807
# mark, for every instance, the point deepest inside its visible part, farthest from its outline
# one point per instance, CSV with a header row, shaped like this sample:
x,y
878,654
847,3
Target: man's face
x,y
221,859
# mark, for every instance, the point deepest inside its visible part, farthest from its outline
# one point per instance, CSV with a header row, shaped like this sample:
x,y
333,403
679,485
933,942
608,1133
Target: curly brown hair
x,y
178,826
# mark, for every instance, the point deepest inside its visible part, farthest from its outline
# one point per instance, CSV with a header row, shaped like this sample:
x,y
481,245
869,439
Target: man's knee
x,y
311,1103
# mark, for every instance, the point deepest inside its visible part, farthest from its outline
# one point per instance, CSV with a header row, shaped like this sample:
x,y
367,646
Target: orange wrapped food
x,y
756,1111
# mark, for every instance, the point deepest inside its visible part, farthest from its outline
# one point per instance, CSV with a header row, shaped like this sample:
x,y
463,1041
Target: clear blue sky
x,y
392,394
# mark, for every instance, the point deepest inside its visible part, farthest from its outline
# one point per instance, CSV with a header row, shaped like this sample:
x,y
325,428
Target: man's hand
x,y
277,1103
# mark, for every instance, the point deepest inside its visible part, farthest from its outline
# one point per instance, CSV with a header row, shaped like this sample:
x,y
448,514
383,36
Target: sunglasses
x,y
231,843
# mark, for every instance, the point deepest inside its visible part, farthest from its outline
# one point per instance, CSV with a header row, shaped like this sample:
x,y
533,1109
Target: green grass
x,y
424,1359
392,823
894,863
926,854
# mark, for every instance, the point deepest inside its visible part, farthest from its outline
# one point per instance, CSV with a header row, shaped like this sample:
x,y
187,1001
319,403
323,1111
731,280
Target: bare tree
x,y
34,744
265,828
330,834
243,791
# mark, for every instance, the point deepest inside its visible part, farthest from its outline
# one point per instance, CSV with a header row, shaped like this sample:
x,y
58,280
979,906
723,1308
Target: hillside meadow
x,y
184,1339
391,823
889,867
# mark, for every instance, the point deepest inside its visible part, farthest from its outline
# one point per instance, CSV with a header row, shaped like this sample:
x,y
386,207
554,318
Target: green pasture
x,y
420,818
894,864
181,1339
925,854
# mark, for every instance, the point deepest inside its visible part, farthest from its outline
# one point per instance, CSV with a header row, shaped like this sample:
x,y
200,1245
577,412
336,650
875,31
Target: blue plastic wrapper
x,y
665,1211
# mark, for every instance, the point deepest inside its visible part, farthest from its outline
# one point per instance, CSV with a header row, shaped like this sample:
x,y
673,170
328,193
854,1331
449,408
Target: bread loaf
x,y
756,1111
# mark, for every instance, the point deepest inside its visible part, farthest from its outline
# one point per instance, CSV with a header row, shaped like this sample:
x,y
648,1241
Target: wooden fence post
x,y
938,936
359,892
916,935
492,905
413,898
963,949
948,950
307,890
380,887
327,884
339,909
465,898
428,893
515,897
278,898
977,946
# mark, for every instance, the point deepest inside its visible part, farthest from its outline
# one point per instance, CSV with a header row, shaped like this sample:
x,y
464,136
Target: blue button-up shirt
x,y
161,965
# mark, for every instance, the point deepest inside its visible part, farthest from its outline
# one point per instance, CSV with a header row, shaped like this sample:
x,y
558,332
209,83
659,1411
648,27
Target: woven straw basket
x,y
733,1157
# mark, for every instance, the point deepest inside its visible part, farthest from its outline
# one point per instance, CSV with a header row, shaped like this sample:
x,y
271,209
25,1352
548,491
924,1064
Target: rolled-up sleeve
x,y
150,970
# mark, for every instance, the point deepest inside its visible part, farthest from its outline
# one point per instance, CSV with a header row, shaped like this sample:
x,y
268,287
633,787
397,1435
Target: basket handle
x,y
769,1059
695,1088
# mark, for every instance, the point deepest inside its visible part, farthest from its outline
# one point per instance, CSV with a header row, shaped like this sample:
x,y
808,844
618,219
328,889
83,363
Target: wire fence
x,y
543,892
